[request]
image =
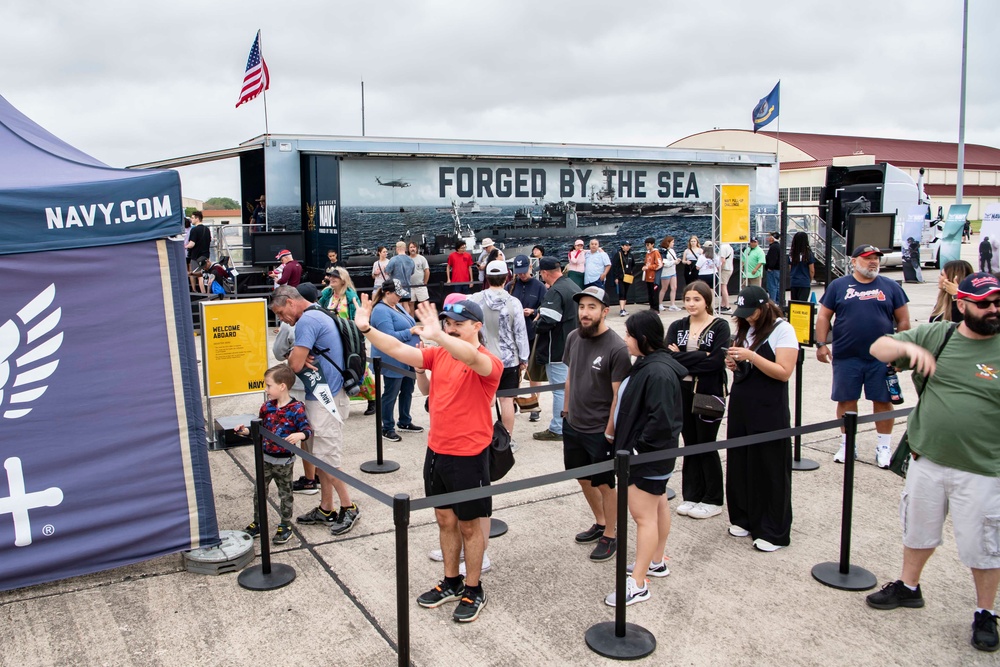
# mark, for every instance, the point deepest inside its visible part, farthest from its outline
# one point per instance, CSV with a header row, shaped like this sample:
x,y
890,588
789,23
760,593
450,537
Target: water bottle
x,y
892,383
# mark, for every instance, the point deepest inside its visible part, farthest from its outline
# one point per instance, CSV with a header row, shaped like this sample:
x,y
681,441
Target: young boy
x,y
285,417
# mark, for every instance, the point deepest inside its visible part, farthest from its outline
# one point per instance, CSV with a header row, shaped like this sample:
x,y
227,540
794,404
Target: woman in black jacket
x,y
622,265
699,343
648,420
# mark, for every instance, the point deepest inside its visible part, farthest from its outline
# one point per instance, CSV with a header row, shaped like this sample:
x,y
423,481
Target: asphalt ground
x,y
723,604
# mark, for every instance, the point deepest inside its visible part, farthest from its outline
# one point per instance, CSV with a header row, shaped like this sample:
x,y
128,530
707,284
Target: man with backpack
x,y
506,334
319,359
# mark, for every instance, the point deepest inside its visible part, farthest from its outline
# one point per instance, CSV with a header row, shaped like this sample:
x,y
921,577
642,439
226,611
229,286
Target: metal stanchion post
x,y
843,575
620,640
378,466
263,577
799,463
401,519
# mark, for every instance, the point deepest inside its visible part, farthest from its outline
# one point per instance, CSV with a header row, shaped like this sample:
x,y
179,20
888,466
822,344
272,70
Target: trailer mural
x,y
520,204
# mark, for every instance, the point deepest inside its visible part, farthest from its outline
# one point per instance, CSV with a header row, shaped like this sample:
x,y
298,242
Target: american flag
x,y
256,79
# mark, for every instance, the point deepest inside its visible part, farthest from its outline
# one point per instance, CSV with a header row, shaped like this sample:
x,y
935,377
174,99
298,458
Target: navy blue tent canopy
x,y
53,196
104,454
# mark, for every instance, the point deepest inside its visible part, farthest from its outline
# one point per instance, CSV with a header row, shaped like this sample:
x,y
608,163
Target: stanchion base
x,y
254,579
497,528
671,494
804,464
856,579
638,642
375,468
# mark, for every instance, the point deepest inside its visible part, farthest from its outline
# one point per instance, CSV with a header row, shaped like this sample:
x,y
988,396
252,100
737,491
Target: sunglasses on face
x,y
984,304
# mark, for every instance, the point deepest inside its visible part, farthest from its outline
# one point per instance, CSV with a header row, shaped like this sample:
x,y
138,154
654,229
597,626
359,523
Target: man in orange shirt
x,y
464,381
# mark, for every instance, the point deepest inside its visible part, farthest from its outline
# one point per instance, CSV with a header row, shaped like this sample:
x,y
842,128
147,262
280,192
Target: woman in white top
x,y
759,477
668,279
708,265
378,268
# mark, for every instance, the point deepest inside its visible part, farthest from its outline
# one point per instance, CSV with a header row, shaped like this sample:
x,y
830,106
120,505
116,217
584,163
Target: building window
x,y
793,194
783,194
817,192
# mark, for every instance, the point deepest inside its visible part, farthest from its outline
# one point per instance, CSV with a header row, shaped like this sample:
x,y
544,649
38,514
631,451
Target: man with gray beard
x,y
865,306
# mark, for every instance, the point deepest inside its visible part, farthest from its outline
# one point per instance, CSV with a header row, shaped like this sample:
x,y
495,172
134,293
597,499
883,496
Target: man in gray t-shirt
x,y
598,362
401,269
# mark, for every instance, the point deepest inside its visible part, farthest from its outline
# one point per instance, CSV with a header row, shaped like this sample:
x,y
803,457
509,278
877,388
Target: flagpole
x,y
260,43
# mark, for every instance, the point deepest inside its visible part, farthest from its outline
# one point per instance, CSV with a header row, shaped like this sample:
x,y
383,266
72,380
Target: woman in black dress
x,y
759,477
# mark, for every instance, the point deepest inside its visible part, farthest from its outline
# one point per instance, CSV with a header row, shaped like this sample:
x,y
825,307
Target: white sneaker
x,y
674,308
486,565
633,593
761,544
842,454
654,570
684,508
705,511
514,446
437,556
737,531
662,308
883,455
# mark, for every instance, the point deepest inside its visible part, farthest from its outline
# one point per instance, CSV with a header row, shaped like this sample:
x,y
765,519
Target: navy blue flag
x,y
103,447
767,109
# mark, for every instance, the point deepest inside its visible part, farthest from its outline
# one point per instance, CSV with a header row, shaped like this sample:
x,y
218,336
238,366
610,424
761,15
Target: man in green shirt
x,y
956,452
752,263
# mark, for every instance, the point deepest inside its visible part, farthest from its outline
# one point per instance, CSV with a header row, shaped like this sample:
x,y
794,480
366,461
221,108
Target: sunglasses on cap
x,y
456,308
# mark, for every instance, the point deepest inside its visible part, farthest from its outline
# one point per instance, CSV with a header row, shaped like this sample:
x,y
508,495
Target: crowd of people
x,y
543,319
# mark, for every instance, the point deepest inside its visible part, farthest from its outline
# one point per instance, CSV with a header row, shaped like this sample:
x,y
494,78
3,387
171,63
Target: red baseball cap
x,y
282,253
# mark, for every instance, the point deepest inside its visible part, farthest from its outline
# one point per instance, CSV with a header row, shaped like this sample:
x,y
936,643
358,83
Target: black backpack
x,y
355,355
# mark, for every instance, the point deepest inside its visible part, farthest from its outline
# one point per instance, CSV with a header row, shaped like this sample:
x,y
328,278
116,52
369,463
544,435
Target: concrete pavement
x,y
723,603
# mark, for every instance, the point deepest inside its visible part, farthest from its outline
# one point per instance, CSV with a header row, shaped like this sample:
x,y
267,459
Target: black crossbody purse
x,y
709,406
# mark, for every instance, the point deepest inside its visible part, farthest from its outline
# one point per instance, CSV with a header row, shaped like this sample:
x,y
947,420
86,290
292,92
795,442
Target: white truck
x,y
887,189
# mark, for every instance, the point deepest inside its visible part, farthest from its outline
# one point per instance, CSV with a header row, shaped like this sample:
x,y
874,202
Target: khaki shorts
x,y
726,275
327,442
932,491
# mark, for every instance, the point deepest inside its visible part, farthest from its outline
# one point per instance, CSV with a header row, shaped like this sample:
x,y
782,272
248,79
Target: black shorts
x,y
581,449
655,487
445,473
510,378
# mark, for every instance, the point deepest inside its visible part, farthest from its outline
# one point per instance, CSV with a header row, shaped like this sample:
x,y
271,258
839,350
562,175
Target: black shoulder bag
x,y
900,461
709,406
501,455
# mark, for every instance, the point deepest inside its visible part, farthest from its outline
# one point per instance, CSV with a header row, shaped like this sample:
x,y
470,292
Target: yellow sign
x,y
800,316
234,346
734,213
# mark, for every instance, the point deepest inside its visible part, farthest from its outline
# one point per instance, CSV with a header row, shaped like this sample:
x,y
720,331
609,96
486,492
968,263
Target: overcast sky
x,y
132,82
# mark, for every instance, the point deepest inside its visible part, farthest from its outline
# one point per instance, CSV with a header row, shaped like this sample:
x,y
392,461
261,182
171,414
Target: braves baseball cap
x,y
282,253
977,286
749,300
594,292
866,251
521,264
497,267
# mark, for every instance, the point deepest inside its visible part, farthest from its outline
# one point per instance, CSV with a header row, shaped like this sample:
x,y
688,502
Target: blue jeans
x,y
773,284
393,388
557,372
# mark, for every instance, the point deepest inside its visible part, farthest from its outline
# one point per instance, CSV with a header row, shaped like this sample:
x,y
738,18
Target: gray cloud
x,y
131,82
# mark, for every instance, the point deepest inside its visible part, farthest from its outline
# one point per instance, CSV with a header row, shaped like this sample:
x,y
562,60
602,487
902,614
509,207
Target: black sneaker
x,y
318,515
371,409
984,631
282,534
391,436
346,519
592,534
472,603
895,594
410,428
308,487
605,549
441,593
253,530
534,416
